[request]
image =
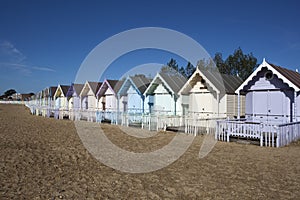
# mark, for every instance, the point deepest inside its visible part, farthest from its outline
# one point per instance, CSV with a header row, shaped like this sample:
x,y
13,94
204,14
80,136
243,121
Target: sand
x,y
43,158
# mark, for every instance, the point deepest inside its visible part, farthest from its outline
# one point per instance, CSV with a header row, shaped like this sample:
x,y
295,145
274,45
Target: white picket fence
x,y
196,126
12,102
272,135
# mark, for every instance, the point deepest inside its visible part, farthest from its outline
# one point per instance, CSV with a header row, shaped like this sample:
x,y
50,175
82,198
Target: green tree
x,y
182,71
220,63
173,64
240,64
9,92
189,70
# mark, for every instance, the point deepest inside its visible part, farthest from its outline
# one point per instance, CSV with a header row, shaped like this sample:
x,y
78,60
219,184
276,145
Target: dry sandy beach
x,y
44,158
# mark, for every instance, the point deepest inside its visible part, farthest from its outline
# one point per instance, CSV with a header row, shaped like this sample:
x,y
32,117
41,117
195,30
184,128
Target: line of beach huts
x,y
265,107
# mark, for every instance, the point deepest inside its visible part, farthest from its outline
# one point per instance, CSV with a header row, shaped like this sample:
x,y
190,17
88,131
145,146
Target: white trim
x,y
259,68
59,87
198,71
153,81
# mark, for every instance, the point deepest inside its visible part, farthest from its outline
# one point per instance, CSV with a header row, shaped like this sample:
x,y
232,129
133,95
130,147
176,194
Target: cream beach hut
x,y
88,100
212,95
88,96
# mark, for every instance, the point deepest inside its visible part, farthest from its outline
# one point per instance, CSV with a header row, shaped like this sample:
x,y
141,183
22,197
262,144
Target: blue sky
x,y
43,43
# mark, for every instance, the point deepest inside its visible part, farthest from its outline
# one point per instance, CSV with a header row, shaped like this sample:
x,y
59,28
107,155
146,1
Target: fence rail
x,y
272,135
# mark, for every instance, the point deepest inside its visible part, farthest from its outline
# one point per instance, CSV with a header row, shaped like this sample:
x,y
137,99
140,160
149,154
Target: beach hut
x,y
107,99
88,95
272,107
212,95
163,91
272,94
131,99
74,99
38,103
132,90
73,96
88,100
61,101
107,95
50,100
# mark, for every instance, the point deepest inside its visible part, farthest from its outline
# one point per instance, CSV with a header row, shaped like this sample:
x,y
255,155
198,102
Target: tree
x,y
172,68
240,64
173,64
189,70
182,71
9,92
218,59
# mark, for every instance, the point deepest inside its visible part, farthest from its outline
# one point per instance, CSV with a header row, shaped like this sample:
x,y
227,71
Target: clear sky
x,y
43,43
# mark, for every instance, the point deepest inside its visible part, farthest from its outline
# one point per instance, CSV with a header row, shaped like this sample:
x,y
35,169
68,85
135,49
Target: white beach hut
x,y
108,100
74,100
272,108
73,96
88,100
272,94
61,101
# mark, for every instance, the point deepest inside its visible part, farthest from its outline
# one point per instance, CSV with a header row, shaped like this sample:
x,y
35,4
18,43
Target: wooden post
x,y
118,108
239,106
218,101
143,104
175,100
295,106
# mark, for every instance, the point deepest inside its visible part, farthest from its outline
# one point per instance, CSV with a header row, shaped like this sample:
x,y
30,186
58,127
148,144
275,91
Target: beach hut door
x,y
268,106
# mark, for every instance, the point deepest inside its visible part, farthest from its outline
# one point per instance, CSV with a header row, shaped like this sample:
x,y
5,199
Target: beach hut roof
x,y
292,78
63,89
114,85
140,82
221,83
93,86
52,91
172,81
75,88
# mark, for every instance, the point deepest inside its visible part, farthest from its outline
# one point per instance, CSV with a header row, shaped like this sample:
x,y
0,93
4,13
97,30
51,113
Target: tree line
x,y
238,64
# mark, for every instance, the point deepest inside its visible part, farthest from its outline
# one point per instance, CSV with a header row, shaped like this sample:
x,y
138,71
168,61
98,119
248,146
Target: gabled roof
x,y
52,91
172,81
221,83
139,82
292,78
63,88
114,85
75,88
93,86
